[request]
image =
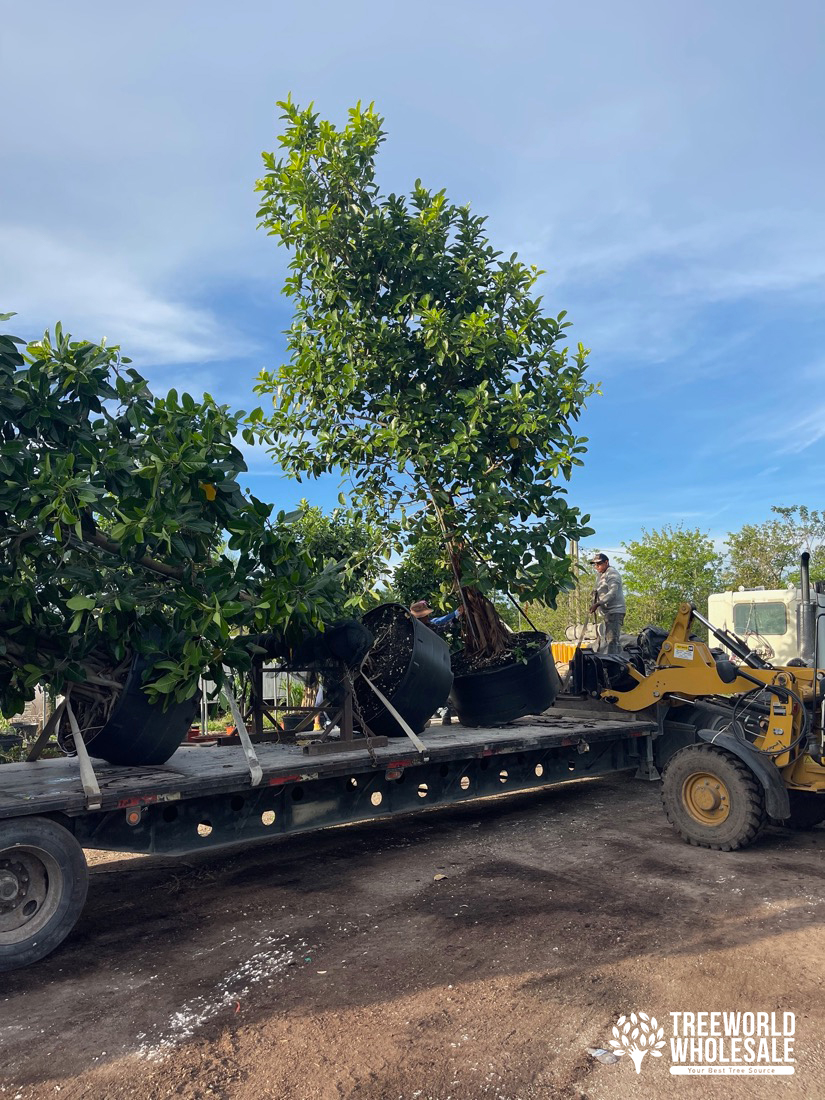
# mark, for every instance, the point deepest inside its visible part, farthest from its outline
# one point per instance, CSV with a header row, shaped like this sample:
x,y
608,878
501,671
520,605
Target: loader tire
x,y
712,799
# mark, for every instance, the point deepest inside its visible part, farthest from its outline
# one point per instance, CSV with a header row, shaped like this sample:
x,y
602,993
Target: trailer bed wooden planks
x,y
49,786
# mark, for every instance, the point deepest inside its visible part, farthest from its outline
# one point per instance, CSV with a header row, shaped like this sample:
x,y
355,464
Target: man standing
x,y
609,600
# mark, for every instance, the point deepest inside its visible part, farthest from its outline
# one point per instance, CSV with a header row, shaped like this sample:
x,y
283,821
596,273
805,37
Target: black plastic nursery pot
x,y
494,697
141,732
409,664
292,719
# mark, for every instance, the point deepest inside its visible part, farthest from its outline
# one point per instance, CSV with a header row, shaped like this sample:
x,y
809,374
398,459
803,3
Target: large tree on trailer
x,y
124,532
423,367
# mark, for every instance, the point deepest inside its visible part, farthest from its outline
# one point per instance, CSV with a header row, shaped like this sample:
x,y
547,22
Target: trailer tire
x,y
43,885
712,799
807,810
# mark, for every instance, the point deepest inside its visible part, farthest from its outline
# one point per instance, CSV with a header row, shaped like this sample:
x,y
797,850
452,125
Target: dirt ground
x,y
468,953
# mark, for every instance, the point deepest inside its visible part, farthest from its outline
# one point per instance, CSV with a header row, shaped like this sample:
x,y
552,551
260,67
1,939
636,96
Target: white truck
x,y
775,622
766,618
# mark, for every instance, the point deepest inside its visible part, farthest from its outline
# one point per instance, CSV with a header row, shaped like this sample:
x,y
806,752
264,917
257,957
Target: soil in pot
x,y
409,664
521,681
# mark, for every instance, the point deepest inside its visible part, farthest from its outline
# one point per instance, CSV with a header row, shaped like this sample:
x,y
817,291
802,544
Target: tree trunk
x,y
483,629
636,1057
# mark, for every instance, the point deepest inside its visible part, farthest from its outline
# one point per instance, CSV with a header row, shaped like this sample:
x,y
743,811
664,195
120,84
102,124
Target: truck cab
x,y
769,619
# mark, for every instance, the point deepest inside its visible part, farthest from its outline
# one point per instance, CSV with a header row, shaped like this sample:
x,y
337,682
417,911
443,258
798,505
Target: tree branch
x,y
111,547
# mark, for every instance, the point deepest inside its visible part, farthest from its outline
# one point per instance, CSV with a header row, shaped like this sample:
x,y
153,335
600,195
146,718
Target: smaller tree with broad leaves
x,y
664,568
124,531
346,538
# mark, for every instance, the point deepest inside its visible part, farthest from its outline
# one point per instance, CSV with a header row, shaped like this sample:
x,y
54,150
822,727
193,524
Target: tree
x,y
665,568
114,506
572,607
422,571
423,367
767,554
345,538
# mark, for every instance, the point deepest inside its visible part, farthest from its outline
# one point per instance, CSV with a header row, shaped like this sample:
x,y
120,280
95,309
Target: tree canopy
x,y
116,509
346,538
422,363
423,571
767,554
665,568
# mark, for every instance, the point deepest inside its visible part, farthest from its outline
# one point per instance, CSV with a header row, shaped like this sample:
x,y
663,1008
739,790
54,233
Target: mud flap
x,y
777,802
647,768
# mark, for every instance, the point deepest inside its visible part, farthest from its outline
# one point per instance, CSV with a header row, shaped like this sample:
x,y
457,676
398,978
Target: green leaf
x,y
80,603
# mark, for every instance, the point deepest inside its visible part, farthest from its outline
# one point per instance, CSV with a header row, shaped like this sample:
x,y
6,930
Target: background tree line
x,y
664,567
660,569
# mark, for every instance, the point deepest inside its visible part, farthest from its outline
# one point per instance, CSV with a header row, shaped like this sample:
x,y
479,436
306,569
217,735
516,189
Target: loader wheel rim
x,y
706,798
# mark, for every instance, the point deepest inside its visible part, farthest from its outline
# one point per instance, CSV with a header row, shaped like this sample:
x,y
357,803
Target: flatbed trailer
x,y
208,797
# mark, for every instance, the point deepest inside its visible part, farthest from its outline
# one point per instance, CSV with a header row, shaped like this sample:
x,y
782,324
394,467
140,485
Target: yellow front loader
x,y
740,744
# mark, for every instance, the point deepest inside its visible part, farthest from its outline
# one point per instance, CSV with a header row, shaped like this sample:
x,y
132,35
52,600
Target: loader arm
x,y
687,669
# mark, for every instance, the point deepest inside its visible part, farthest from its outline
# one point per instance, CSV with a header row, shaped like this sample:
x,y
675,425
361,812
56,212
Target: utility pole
x,y
573,596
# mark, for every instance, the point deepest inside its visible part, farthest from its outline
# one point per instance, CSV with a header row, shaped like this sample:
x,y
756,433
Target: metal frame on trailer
x,y
205,798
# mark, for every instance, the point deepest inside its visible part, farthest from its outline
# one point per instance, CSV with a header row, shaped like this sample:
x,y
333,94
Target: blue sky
x,y
662,162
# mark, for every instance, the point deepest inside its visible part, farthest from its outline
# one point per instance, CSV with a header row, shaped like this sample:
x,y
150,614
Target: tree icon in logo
x,y
637,1035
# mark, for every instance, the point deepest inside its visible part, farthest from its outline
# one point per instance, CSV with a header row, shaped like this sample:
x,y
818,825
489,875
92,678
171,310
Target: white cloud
x,y
766,437
730,255
647,170
97,295
635,281
800,432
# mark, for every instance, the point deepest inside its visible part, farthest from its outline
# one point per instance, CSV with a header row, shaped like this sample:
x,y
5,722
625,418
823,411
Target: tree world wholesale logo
x,y
706,1043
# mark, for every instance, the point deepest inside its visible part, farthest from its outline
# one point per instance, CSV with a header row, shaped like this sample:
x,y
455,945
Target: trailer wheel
x,y
712,799
807,810
43,884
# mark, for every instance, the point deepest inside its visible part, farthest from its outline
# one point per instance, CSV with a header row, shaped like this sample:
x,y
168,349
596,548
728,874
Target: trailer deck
x,y
204,797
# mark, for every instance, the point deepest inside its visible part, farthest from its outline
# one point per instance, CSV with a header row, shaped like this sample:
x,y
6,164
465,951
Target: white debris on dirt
x,y
266,960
